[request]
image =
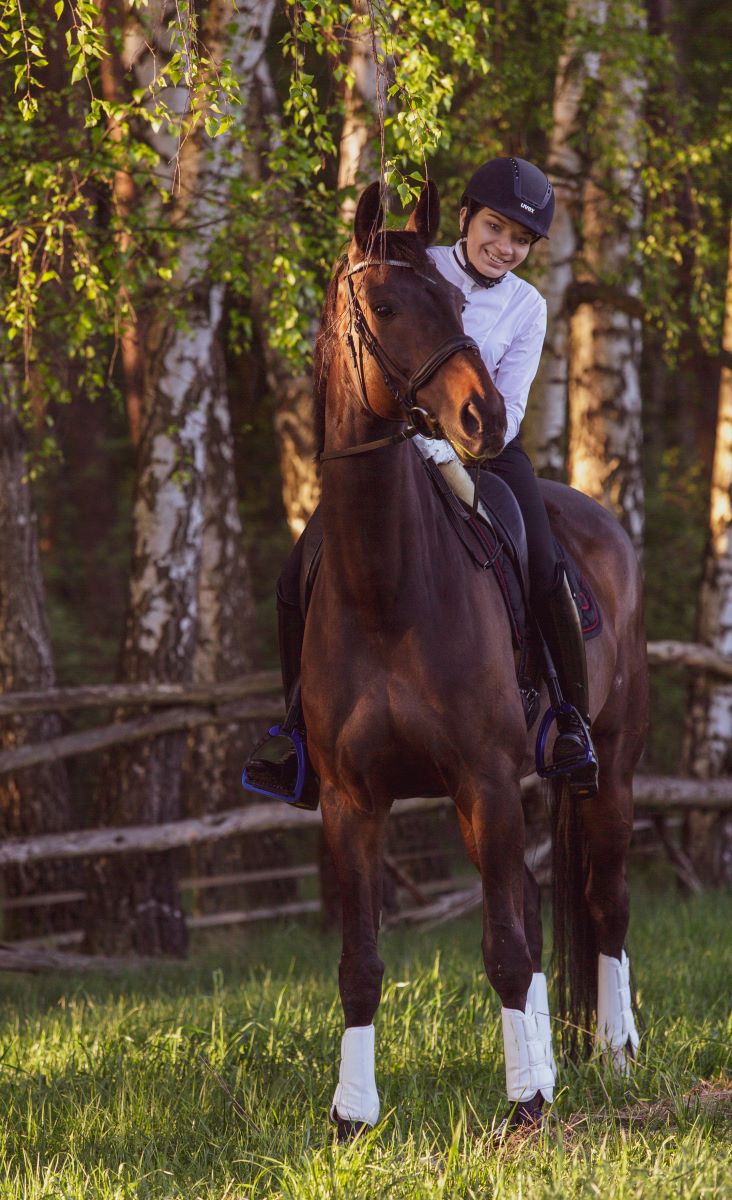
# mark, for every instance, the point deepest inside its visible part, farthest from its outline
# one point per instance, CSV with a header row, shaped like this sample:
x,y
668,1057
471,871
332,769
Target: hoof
x,y
525,1117
348,1131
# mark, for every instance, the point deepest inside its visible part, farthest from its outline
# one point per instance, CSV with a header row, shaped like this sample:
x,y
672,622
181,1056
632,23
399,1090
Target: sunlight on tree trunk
x,y
292,393
605,441
709,731
355,152
114,68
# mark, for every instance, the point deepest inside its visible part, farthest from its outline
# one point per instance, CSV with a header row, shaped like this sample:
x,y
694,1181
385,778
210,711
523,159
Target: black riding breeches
x,y
514,468
288,584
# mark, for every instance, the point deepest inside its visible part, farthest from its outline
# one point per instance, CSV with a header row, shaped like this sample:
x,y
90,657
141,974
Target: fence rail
x,y
189,706
659,793
251,698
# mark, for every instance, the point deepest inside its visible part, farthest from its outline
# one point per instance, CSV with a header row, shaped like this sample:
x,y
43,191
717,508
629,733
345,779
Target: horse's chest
x,y
386,723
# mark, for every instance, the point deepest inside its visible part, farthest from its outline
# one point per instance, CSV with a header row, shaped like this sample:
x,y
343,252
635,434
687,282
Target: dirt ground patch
x,y
713,1097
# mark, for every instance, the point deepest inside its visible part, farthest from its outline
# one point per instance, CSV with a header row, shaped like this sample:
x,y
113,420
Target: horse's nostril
x,y
471,421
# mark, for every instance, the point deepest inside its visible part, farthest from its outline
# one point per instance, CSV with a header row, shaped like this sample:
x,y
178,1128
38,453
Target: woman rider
x,y
507,205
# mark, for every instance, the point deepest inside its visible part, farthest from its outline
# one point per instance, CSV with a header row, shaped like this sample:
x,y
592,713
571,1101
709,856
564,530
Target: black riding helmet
x,y
516,189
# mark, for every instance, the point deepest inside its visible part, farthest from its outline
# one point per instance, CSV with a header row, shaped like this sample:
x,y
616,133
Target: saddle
x,y
495,539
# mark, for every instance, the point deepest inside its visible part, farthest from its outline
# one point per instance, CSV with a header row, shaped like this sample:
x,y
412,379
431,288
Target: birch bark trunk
x,y
709,733
605,439
187,566
36,800
546,417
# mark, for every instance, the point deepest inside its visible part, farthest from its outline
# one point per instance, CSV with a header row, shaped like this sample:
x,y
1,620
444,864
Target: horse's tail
x,y
575,947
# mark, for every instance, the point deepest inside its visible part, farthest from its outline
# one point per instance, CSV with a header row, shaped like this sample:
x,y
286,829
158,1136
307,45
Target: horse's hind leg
x,y
356,841
608,825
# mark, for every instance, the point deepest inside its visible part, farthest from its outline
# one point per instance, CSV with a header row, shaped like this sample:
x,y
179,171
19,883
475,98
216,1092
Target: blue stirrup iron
x,y
584,759
296,794
559,707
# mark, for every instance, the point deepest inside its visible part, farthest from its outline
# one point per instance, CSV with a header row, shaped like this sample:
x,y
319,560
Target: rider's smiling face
x,y
495,244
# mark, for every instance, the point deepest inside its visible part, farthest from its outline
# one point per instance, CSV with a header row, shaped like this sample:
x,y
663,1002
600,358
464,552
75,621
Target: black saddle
x,y
498,544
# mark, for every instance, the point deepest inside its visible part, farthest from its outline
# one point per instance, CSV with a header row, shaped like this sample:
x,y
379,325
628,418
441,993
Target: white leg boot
x,y
538,998
356,1098
616,1035
528,1069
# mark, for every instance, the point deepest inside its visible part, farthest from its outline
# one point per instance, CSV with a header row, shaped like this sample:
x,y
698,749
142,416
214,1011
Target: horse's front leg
x,y
497,822
356,841
538,995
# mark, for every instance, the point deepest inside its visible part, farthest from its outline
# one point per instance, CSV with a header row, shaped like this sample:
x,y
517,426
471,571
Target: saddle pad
x,y
584,597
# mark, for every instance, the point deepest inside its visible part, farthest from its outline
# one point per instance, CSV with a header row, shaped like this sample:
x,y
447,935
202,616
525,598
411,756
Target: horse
x,y
408,673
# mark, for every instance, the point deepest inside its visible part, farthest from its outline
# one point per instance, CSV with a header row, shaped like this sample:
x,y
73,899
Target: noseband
x,y
402,386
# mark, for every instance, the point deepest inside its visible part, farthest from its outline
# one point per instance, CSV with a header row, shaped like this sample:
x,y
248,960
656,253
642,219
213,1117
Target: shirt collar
x,y
463,280
458,257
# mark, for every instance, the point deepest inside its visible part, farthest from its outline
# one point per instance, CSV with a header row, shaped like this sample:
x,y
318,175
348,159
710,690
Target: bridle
x,y
402,386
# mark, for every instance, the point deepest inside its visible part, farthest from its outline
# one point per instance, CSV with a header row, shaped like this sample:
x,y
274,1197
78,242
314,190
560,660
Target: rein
x,y
402,386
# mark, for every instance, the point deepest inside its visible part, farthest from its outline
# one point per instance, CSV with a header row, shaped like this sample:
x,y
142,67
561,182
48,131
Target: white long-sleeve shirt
x,y
508,322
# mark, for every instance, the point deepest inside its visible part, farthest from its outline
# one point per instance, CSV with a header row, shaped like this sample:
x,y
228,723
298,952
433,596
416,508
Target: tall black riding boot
x,y
560,625
274,764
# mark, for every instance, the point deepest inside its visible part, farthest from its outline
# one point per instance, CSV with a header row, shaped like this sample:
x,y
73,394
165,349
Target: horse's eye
x,y
382,310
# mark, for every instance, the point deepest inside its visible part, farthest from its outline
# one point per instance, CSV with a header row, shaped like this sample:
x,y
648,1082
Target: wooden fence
x,y
186,707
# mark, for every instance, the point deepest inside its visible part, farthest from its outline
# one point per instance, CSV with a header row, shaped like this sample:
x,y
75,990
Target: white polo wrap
x,y
538,998
527,1069
615,1021
356,1098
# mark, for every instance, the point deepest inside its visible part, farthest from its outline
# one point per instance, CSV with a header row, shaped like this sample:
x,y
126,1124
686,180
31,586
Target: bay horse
x,y
408,675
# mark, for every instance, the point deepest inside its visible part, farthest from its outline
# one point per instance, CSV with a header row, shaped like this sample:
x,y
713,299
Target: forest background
x,y
177,181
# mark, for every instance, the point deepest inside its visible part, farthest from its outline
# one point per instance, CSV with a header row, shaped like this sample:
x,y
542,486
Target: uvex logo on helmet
x,y
517,190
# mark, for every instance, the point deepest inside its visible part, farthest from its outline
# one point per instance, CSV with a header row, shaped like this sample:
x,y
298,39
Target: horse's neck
x,y
378,517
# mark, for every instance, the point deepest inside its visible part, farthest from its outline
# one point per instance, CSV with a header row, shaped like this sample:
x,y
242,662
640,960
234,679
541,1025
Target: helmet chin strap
x,y
483,280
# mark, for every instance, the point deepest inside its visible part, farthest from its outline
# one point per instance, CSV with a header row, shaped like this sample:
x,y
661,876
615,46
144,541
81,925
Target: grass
x,y
212,1079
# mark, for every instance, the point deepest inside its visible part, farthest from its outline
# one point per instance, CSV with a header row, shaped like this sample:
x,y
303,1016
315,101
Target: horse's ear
x,y
425,220
369,217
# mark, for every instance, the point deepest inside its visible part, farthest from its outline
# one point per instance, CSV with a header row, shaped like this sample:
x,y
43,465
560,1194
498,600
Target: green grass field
x,y
212,1079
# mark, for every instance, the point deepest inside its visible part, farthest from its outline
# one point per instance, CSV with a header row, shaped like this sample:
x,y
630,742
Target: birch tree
x,y
709,732
546,418
590,369
186,563
605,438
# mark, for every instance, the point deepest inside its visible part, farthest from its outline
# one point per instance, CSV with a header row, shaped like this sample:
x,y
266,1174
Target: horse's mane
x,y
399,244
